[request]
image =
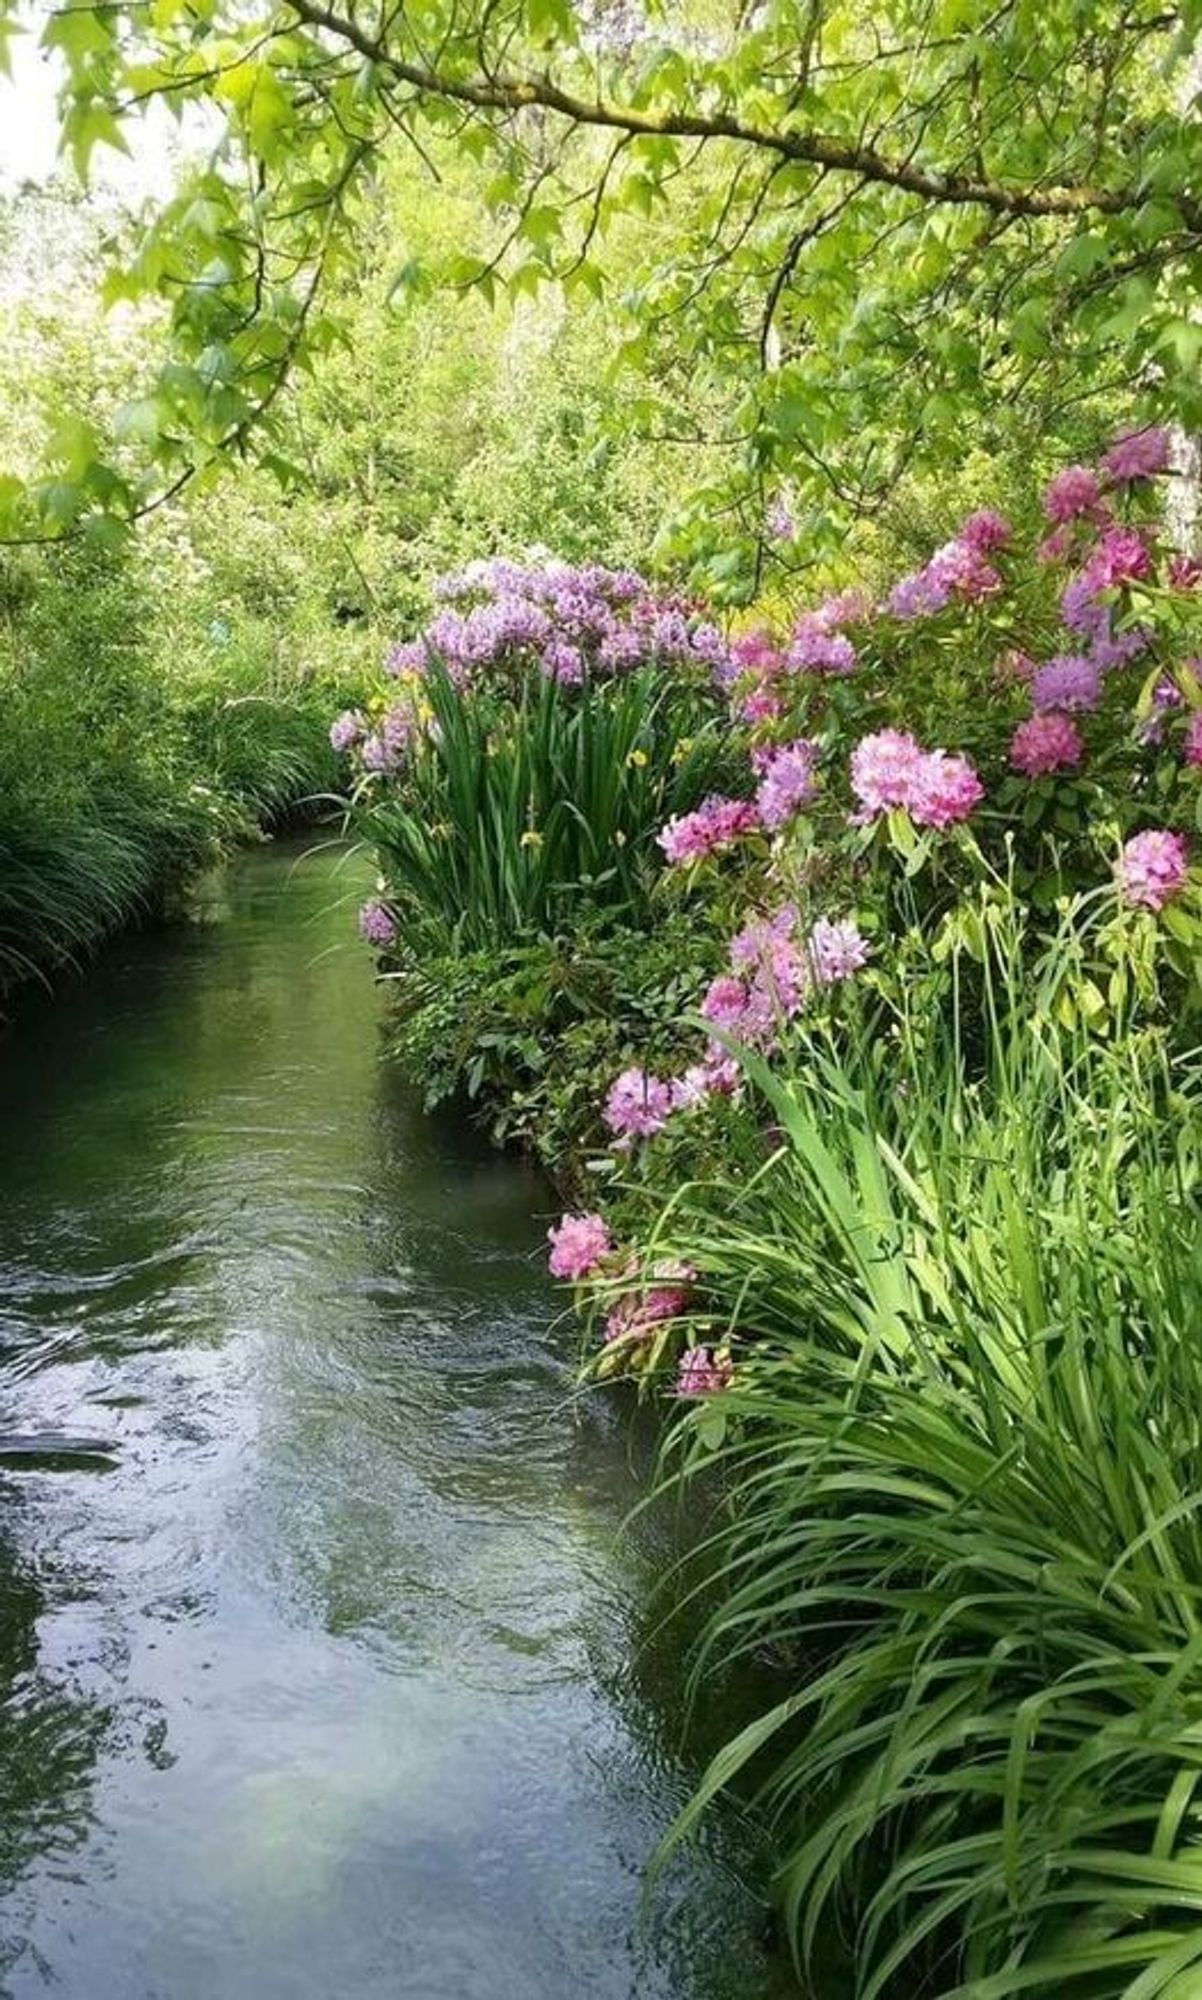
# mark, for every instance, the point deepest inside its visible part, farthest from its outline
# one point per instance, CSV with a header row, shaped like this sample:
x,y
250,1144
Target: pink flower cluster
x,y
1152,868
787,782
717,823
890,769
1046,743
578,1243
960,570
638,1105
703,1373
638,1313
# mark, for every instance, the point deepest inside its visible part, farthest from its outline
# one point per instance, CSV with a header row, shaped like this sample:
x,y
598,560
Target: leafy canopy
x,y
860,226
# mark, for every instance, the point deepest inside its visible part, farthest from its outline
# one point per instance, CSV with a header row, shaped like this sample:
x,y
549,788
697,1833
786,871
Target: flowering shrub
x,y
1003,722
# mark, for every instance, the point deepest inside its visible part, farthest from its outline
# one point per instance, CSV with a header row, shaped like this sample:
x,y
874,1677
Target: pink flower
x,y
1056,546
848,607
1121,556
1152,868
959,569
702,1373
788,783
837,950
725,1002
755,653
377,925
779,521
945,790
1068,683
814,649
1071,494
578,1244
716,823
884,768
1046,743
639,1105
1193,738
1138,455
761,705
986,531
636,1316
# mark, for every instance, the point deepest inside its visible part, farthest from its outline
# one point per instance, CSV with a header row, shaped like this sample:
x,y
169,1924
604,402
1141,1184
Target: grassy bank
x,y
132,755
873,1069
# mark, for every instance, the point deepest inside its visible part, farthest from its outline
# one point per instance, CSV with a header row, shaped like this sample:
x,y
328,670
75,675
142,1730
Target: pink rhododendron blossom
x,y
814,649
578,1244
1138,455
847,607
1121,556
377,925
1074,492
725,1001
639,1105
1152,868
1193,737
884,768
1046,743
837,950
986,531
787,784
760,705
945,791
716,823
702,1373
755,653
1069,683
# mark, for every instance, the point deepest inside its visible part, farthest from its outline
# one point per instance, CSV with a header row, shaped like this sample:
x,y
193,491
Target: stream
x,y
328,1659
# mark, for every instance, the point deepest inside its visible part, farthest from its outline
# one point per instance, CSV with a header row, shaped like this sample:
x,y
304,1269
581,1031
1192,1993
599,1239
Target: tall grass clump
x,y
960,1455
515,776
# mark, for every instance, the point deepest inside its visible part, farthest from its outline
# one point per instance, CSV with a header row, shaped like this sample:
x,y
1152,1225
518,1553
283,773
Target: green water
x,y
335,1679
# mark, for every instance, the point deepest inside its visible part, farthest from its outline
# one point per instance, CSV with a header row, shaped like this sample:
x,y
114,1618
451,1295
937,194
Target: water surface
x,y
334,1681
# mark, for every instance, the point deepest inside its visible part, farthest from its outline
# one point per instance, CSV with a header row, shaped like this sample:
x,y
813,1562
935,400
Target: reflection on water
x,y
326,1686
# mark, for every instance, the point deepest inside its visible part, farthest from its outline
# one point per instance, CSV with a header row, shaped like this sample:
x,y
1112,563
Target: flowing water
x,y
324,1666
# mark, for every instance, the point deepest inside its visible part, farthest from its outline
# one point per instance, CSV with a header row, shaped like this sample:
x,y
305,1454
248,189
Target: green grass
x,y
519,815
963,1475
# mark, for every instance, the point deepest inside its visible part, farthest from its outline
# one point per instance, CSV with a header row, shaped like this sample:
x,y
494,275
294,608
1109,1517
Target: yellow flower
x,y
682,749
531,839
638,758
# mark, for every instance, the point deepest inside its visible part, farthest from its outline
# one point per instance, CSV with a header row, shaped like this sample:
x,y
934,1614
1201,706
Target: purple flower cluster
x,y
959,570
1068,683
377,925
787,782
571,622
